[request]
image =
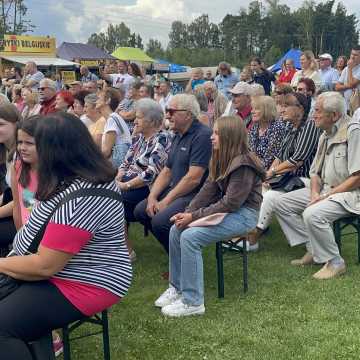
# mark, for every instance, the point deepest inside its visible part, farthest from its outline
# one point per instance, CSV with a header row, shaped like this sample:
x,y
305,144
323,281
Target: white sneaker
x,y
249,247
167,297
178,309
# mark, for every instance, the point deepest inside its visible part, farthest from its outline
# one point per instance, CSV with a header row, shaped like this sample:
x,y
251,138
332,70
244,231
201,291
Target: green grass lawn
x,y
285,315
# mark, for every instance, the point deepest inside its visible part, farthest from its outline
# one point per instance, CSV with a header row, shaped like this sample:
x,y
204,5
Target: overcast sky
x,y
75,20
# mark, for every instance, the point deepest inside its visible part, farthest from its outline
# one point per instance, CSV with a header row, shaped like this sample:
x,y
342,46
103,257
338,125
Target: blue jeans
x,y
186,263
118,154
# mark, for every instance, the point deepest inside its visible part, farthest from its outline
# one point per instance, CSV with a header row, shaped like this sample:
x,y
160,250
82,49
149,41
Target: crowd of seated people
x,y
220,161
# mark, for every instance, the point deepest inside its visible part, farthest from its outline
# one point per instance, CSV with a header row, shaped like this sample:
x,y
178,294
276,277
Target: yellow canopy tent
x,y
131,54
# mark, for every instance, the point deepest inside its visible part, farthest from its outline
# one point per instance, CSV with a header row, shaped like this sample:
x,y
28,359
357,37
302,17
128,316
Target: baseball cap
x,y
242,88
326,56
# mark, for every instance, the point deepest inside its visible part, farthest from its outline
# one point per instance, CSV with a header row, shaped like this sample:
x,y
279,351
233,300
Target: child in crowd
x,y
24,182
227,206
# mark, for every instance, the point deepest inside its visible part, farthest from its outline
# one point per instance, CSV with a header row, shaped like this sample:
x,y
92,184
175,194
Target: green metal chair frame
x,y
97,319
231,246
341,224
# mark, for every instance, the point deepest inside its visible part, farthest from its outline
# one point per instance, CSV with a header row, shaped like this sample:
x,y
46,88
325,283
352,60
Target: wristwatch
x,y
273,171
128,186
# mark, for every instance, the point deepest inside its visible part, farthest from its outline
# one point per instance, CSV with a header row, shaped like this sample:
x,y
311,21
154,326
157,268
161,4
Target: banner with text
x,y
27,44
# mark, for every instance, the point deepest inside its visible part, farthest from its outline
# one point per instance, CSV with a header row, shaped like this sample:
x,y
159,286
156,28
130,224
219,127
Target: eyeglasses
x,y
171,112
301,89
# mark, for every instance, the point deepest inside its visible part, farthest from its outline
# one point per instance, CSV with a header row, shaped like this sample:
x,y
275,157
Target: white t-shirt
x,y
113,123
164,101
86,121
344,79
121,79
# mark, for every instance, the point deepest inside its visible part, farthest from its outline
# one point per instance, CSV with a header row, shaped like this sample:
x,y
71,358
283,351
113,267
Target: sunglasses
x,y
279,92
43,88
171,111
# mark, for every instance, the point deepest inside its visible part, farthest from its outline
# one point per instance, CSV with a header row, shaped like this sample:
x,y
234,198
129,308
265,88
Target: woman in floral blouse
x,y
267,133
146,156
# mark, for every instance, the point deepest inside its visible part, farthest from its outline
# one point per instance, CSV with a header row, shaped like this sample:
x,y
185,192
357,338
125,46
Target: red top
x,y
48,106
286,77
245,115
87,298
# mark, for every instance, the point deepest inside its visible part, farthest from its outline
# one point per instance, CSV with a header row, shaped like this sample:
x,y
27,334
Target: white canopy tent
x,y
39,60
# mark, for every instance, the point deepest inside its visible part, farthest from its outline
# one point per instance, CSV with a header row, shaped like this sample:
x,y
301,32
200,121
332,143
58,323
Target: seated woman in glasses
x,y
297,151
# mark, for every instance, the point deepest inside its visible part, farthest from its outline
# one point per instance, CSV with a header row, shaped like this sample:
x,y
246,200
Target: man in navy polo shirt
x,y
185,171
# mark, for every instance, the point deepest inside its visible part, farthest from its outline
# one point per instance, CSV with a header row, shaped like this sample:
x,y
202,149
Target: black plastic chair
x,y
341,224
101,320
231,246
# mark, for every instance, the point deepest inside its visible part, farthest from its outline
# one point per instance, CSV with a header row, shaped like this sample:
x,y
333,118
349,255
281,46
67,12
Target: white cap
x,y
242,88
326,56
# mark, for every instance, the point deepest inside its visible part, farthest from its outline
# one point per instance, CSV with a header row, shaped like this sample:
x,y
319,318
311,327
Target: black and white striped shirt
x,y
299,145
92,229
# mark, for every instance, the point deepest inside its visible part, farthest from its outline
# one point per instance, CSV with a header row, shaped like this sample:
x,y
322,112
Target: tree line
x,y
265,29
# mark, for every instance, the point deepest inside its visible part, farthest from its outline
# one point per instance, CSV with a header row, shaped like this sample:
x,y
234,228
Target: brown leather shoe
x,y
307,259
329,271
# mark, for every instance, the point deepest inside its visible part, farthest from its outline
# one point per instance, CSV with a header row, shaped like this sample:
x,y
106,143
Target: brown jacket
x,y
242,187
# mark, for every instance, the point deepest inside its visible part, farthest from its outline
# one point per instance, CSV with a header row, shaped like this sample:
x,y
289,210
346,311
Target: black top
x,y
190,149
265,79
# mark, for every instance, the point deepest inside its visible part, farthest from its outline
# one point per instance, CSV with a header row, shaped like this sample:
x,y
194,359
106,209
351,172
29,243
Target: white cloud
x,y
77,20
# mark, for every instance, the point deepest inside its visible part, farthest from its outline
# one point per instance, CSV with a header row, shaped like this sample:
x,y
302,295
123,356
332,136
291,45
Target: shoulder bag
x,y
287,182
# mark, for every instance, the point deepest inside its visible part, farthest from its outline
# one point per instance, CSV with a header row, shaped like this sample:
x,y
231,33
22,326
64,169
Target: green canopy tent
x,y
131,54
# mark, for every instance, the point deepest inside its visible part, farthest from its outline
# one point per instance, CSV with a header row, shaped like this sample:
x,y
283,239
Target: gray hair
x,y
48,83
333,101
91,99
187,102
257,90
152,111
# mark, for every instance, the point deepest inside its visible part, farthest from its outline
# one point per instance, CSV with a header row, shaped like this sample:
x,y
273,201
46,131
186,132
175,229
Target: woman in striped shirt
x,y
296,153
82,265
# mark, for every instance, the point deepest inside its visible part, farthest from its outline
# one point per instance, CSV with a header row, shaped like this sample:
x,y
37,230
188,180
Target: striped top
x,y
92,229
299,145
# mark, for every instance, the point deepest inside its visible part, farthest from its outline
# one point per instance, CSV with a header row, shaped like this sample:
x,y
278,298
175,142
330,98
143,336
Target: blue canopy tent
x,y
164,65
293,54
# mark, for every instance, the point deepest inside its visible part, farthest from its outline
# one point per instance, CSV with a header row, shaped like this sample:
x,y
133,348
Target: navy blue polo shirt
x,y
190,149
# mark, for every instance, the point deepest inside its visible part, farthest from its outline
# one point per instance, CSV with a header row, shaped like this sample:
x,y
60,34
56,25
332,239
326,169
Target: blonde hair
x,y
233,141
266,105
33,98
198,70
311,57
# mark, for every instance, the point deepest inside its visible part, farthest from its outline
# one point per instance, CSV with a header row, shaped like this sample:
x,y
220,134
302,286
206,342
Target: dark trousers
x,y
29,313
160,224
131,198
7,226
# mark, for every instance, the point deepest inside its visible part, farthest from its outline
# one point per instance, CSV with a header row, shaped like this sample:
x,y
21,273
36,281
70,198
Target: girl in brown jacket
x,y
226,206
